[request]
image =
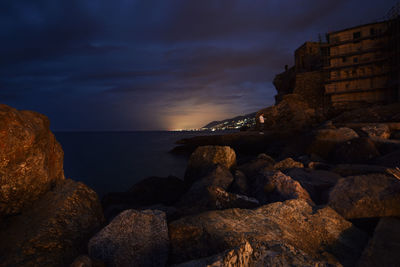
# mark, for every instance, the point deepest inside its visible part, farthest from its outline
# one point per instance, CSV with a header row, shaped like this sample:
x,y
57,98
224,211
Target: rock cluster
x,y
45,219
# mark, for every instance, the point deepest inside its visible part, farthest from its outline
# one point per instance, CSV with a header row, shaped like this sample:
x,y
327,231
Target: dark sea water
x,y
114,161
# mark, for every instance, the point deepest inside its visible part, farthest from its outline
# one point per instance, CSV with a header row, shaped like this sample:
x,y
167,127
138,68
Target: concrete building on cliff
x,y
355,67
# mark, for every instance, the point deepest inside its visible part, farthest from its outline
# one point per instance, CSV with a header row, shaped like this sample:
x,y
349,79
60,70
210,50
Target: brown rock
x,y
358,150
239,185
377,130
358,169
288,164
54,231
31,160
366,196
238,257
255,166
383,248
272,186
391,160
82,261
321,234
133,238
204,158
325,140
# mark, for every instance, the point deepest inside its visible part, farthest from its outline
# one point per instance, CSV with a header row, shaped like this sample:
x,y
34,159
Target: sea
x,y
114,161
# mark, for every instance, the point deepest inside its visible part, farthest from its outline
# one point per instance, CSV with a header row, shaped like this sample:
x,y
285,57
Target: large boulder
x,y
366,196
133,238
205,158
288,163
321,234
358,150
325,140
252,168
316,182
272,186
290,114
391,160
31,160
383,248
55,230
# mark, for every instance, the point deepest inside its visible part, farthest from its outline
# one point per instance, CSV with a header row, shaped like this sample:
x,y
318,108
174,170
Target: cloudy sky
x,y
157,64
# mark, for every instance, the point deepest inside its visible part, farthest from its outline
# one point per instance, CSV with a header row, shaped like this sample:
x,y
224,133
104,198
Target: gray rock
x,y
366,196
133,238
205,158
383,248
321,234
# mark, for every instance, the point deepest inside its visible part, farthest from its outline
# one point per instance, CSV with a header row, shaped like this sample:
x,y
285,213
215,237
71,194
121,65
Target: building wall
x,y
308,57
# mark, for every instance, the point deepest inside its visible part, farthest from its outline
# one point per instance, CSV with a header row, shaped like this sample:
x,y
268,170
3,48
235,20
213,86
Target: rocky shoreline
x,y
323,195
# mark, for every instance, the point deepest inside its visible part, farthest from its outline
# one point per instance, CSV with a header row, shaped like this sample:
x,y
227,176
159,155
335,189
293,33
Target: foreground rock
x,y
358,150
31,160
272,186
383,248
321,234
205,158
366,196
133,238
238,257
54,230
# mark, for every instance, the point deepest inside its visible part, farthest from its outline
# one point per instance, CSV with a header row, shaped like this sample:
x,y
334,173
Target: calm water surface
x,y
114,161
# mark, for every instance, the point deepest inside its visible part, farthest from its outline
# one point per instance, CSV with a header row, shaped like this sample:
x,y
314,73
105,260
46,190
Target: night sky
x,y
157,64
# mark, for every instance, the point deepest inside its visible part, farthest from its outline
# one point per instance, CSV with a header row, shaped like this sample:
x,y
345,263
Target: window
x,y
372,31
356,35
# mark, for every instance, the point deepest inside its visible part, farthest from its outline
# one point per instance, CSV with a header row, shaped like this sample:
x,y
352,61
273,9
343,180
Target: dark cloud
x,y
156,64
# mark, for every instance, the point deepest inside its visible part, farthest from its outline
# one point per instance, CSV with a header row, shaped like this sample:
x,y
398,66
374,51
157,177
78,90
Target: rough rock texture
x,y
358,150
288,164
272,186
383,249
133,238
316,182
377,130
82,261
208,193
292,113
238,257
325,140
357,169
253,167
239,185
366,196
54,231
31,160
321,234
372,114
205,158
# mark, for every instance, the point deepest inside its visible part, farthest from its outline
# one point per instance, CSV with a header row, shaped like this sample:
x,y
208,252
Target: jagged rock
x,y
272,186
31,160
239,185
316,182
358,150
54,231
253,167
383,248
292,113
149,191
366,196
325,140
238,257
133,238
204,158
288,164
377,130
321,234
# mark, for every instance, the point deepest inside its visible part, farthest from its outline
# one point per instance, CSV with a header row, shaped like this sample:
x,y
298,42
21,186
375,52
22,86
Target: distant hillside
x,y
247,120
